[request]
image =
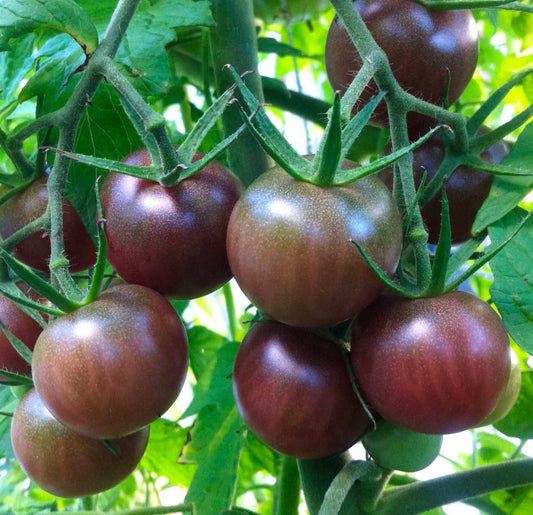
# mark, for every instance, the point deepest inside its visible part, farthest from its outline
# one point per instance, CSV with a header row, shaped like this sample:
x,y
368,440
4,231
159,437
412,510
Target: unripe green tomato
x,y
291,10
395,448
509,395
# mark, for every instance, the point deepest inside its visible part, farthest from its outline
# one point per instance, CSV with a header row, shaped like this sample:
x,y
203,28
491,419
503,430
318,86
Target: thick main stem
x,y
234,42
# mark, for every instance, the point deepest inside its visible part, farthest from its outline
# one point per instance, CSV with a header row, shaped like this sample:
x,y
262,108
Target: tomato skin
x,y
421,45
114,365
63,462
292,389
432,365
172,239
34,250
466,188
25,328
290,247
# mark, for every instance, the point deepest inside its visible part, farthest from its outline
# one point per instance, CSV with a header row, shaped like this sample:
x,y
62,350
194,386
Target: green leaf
x,y
15,65
512,290
273,46
508,192
7,405
162,459
518,422
217,439
18,18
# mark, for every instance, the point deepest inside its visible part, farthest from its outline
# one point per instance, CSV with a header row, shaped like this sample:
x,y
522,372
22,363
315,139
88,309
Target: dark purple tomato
x,y
290,247
421,44
25,328
170,239
114,365
34,250
466,188
65,463
293,390
433,365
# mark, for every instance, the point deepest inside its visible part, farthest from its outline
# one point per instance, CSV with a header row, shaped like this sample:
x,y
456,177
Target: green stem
x,y
155,510
287,490
233,323
433,493
234,42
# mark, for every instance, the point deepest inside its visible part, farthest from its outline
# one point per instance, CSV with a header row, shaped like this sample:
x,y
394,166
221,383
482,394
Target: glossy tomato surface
x,y
292,389
25,328
432,365
466,188
65,463
421,44
34,250
170,239
290,247
291,10
114,365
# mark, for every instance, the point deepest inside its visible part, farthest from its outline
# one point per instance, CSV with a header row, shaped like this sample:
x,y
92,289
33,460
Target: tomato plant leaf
x,y
507,192
15,64
7,405
518,422
19,18
273,46
217,438
162,460
512,290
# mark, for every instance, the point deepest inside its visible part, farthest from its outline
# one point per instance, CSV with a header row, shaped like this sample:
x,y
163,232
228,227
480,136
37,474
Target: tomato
x,y
508,397
290,247
112,366
25,328
466,188
296,10
173,239
432,365
293,391
34,250
421,44
395,448
65,463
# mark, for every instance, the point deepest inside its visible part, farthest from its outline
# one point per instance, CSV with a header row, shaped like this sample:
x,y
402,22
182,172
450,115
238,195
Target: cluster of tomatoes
x,y
430,365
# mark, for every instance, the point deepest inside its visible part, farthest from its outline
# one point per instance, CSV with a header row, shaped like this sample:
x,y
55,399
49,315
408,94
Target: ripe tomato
x,y
34,250
432,365
65,463
25,328
114,365
290,247
395,448
173,239
292,389
466,188
422,46
296,10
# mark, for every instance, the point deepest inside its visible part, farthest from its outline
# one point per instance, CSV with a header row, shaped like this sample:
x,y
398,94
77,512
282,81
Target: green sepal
x,y
475,122
190,169
17,344
34,281
492,249
442,252
205,123
15,379
268,135
328,158
357,86
27,305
